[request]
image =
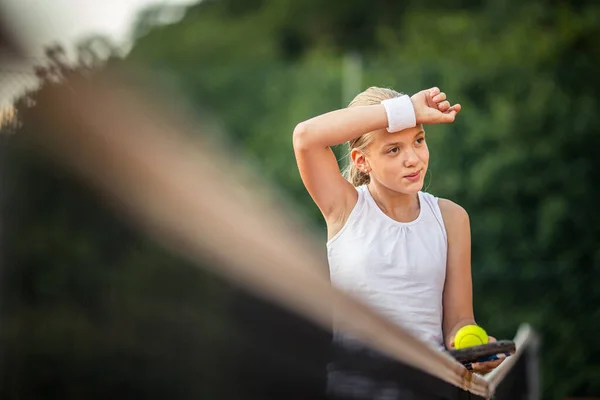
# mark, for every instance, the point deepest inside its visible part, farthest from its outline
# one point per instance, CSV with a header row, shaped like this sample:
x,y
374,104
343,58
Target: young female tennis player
x,y
404,252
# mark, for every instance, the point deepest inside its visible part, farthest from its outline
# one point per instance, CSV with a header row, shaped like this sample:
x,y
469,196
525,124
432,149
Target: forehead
x,y
382,137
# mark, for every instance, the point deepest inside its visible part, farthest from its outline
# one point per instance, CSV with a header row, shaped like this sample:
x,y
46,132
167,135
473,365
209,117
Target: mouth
x,y
414,176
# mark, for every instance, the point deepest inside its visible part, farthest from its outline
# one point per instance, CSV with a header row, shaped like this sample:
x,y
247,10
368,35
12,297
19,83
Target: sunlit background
x,y
71,23
521,159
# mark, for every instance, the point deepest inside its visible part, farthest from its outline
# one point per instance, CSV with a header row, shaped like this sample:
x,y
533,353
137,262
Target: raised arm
x,y
318,166
313,139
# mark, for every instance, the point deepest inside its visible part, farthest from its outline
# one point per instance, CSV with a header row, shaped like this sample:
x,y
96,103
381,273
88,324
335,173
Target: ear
x,y
359,159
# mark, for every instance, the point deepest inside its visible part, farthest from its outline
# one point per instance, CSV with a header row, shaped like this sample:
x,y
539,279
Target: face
x,y
398,160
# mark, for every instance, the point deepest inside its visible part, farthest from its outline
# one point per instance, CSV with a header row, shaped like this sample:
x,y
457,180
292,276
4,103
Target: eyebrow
x,y
398,143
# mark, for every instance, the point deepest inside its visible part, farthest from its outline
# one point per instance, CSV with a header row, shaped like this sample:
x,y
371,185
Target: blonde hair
x,y
371,96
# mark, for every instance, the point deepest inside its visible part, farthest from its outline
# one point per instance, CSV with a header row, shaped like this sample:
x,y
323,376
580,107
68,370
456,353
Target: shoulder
x,y
451,209
455,217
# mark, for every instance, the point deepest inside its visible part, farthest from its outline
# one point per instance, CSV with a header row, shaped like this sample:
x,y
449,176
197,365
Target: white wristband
x,y
400,113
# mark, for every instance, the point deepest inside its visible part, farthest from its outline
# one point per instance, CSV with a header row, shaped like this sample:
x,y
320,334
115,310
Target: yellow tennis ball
x,y
470,335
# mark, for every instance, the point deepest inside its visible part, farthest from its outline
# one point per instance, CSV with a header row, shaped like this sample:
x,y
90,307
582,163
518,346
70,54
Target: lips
x,y
414,176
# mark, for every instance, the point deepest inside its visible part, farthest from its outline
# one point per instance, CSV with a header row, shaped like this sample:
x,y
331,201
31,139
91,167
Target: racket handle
x,y
494,357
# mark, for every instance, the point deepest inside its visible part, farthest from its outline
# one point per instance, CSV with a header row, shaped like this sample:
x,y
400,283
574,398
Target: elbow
x,y
300,136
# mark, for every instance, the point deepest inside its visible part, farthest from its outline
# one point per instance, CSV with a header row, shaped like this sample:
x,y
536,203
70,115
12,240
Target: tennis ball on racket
x,y
470,335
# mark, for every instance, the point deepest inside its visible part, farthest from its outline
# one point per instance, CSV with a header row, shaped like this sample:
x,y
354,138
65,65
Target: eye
x,y
393,150
420,140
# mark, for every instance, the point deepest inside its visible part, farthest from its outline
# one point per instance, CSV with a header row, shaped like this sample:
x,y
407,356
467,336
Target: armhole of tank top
x,y
437,212
355,210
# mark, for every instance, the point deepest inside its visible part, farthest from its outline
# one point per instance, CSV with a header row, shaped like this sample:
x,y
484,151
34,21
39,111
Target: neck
x,y
402,207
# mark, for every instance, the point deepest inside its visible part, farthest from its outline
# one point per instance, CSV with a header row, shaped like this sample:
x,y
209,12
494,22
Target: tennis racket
x,y
484,352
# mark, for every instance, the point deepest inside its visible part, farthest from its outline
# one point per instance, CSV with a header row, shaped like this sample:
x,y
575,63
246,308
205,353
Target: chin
x,y
415,189
411,188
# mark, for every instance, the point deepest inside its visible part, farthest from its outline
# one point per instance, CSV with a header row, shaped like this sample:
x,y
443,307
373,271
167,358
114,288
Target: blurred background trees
x,y
520,157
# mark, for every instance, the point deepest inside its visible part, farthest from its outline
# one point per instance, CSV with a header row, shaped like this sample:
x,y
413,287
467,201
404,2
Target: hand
x,y
431,107
487,366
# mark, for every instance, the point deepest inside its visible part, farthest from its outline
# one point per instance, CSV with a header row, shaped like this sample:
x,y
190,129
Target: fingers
x,y
429,96
448,116
432,107
439,97
457,108
486,367
435,98
434,91
443,106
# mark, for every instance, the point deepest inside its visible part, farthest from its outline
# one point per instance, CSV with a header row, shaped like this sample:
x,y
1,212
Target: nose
x,y
410,158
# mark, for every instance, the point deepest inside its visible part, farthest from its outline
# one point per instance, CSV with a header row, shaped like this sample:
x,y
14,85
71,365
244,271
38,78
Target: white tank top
x,y
397,268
